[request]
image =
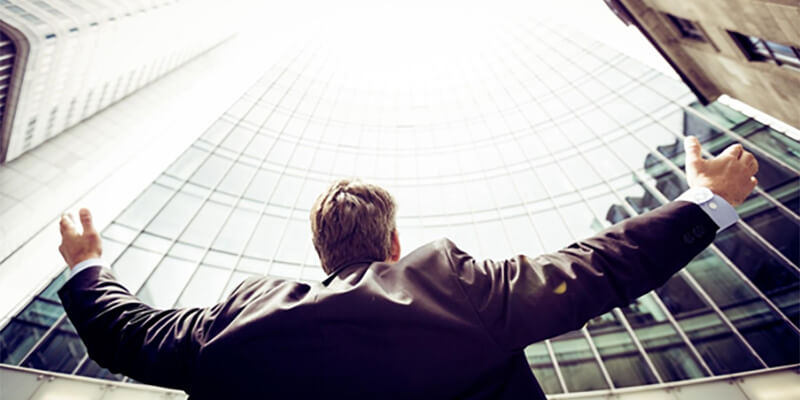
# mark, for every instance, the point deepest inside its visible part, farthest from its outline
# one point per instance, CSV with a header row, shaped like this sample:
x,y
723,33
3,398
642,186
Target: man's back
x,y
370,329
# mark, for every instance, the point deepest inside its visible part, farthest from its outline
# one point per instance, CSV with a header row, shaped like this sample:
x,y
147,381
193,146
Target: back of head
x,y
352,221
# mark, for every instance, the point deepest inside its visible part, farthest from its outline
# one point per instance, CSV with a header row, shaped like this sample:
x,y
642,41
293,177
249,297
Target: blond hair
x,y
352,221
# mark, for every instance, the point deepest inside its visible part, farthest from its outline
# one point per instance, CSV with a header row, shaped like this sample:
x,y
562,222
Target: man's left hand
x,y
76,247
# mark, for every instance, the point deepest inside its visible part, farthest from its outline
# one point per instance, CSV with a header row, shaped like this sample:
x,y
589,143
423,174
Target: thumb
x,y
86,220
692,148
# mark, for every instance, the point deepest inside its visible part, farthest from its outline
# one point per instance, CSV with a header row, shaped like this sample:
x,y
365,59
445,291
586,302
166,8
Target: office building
x,y
522,143
63,61
747,49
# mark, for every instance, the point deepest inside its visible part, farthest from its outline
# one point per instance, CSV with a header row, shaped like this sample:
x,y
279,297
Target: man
x,y
433,324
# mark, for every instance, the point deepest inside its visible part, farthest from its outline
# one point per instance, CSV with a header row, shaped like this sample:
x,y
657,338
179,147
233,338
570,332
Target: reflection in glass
x,y
92,370
721,350
61,351
542,368
760,326
25,330
622,359
670,355
578,365
777,281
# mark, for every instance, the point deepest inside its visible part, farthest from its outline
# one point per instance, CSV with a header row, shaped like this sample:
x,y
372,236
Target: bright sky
x,y
424,25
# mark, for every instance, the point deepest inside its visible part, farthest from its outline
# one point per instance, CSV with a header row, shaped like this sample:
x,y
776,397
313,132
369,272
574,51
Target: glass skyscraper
x,y
542,138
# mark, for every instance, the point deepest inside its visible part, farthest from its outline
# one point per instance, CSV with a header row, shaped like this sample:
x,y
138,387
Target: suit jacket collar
x,y
341,268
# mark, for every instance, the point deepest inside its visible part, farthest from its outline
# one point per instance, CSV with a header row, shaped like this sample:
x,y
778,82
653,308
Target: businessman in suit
x,y
436,323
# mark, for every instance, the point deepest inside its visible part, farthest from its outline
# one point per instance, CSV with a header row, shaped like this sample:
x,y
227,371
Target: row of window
x,y
754,48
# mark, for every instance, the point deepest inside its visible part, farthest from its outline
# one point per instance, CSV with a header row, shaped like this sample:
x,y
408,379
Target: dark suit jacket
x,y
437,324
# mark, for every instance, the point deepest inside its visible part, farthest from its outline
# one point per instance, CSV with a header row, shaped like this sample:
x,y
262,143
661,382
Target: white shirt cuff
x,y
92,262
721,212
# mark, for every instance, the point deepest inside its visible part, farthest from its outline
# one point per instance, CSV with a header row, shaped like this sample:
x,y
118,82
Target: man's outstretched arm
x,y
526,299
120,332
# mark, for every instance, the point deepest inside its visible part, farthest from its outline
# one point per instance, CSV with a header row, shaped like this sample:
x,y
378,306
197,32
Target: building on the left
x,y
63,61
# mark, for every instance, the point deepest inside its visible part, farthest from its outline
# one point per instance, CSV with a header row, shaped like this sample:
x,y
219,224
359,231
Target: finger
x,y
693,150
750,161
86,220
734,150
67,226
753,182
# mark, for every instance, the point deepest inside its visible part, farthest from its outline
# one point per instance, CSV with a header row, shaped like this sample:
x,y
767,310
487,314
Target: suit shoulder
x,y
439,252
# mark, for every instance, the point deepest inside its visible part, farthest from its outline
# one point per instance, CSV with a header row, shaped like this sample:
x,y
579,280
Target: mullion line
x,y
266,202
670,317
699,289
749,230
175,191
292,209
556,207
237,201
626,325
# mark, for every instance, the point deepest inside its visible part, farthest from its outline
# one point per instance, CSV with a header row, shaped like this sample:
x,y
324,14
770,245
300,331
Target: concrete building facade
x,y
747,49
63,61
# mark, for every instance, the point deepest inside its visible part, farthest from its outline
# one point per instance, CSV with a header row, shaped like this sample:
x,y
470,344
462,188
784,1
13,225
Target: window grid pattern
x,y
520,151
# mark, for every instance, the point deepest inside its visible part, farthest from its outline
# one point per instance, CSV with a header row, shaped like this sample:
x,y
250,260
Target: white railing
x,y
783,383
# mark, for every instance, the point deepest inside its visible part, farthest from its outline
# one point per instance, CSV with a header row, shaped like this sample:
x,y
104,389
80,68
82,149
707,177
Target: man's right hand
x,y
76,246
729,175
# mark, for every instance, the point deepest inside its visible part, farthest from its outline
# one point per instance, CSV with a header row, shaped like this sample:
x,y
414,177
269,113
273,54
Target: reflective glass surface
x,y
523,146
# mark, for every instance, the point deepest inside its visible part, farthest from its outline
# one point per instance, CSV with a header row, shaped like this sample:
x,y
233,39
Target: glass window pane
x,y
622,359
60,352
145,207
773,225
166,283
204,227
238,138
212,170
522,236
554,180
666,349
204,288
551,229
721,350
17,338
778,145
133,267
777,281
294,241
580,173
262,185
578,365
51,292
175,215
237,230
287,190
187,163
266,237
542,367
92,370
760,327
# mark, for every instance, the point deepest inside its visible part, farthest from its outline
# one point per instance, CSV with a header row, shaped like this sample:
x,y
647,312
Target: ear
x,y
395,252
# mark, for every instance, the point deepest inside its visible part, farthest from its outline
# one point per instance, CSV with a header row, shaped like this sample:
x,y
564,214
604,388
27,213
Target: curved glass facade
x,y
523,148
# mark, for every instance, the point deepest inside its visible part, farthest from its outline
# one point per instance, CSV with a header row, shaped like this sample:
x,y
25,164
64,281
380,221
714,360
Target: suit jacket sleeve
x,y
127,336
522,300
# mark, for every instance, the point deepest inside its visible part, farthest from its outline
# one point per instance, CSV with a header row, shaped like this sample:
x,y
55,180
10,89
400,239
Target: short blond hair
x,y
352,221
